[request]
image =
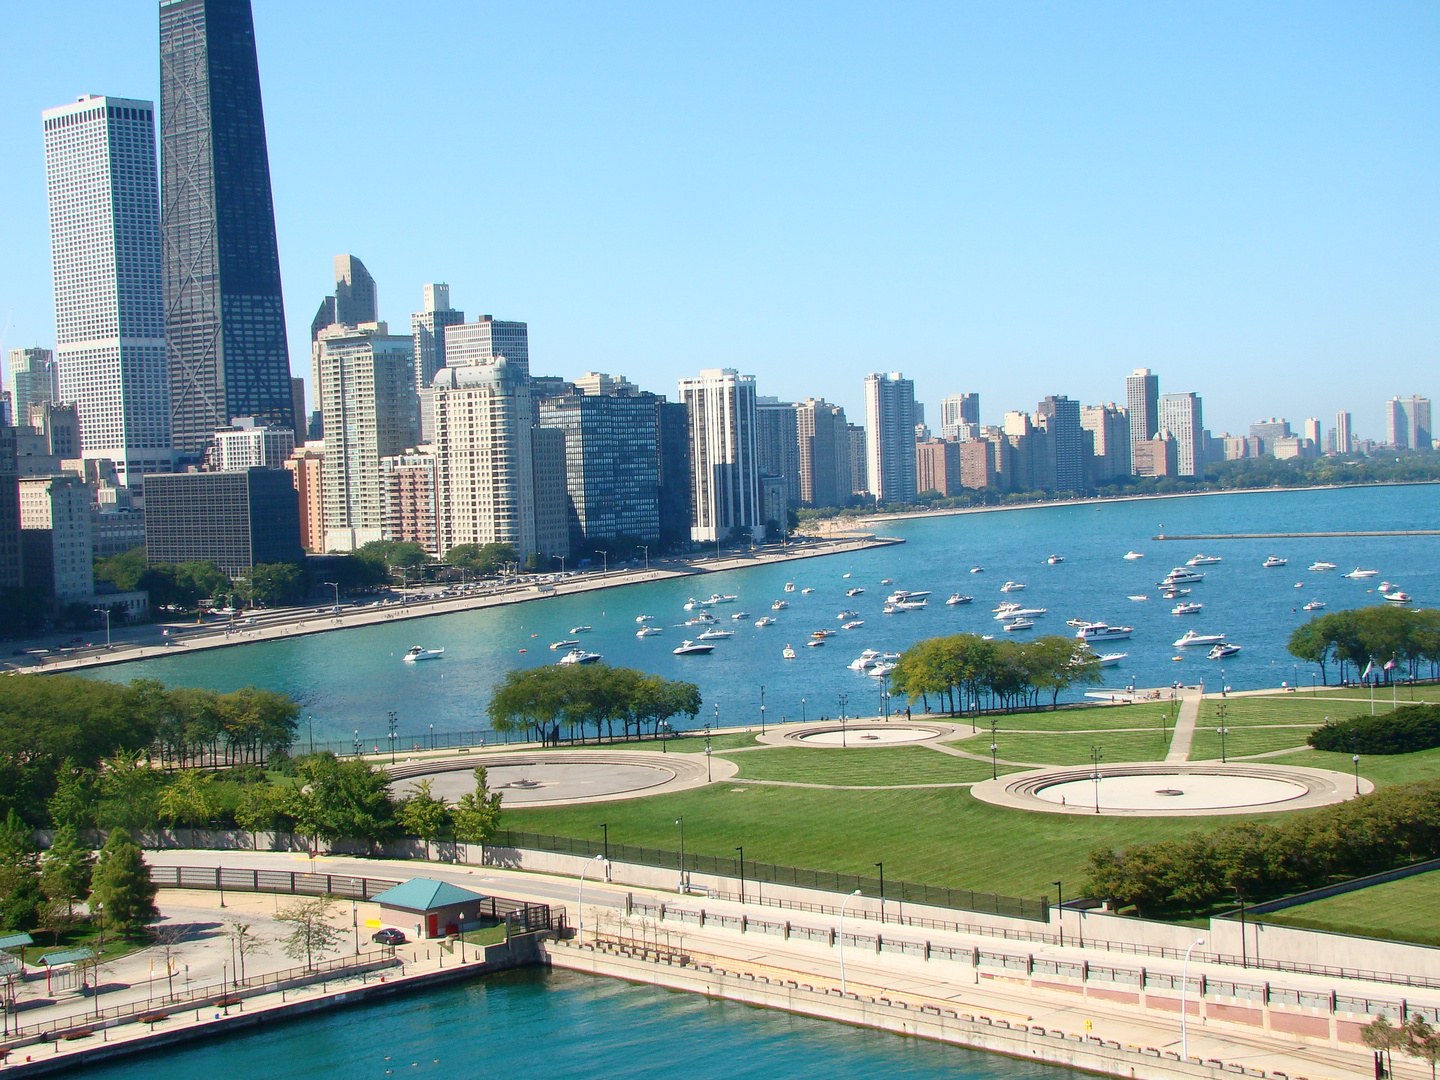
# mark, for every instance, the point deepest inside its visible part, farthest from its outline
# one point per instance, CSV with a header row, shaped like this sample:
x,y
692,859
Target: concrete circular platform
x,y
1153,789
554,778
832,735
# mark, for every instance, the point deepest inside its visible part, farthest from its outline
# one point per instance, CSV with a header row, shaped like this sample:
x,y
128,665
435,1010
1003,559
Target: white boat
x,y
853,592
956,599
1015,611
887,581
648,631
911,605
788,653
765,620
846,574
815,642
879,671
716,635
567,643
847,614
718,598
740,615
806,591
1055,560
1314,605
578,656
1186,609
905,594
853,624
824,633
1362,575
692,604
1203,560
1019,624
1099,631
779,605
1399,596
866,660
1084,654
1012,586
892,609
1134,555
1222,650
1322,566
419,652
1174,592
1180,576
1111,659
581,629
1193,637
703,619
691,648
1006,605
789,586
1272,562
1139,598
643,618
977,569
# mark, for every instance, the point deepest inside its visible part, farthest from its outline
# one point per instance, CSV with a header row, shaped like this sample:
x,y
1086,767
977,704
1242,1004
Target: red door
x,y
432,927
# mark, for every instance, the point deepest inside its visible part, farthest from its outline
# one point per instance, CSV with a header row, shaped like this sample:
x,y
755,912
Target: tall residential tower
x,y
890,437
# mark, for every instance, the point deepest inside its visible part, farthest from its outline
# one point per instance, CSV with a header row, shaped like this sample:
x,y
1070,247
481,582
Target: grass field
x,y
1243,741
1298,708
1068,748
1146,715
878,765
1382,769
1401,910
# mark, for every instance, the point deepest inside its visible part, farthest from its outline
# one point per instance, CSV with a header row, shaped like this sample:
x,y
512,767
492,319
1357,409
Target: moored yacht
x,y
1015,611
1314,605
788,653
853,592
789,586
1222,650
1203,560
567,643
419,652
579,656
1099,631
739,615
853,624
1019,624
1133,555
1192,637
900,595
1398,596
779,605
1186,609
692,648
956,599
648,631
1012,586
1055,560
1322,566
1361,575
765,620
1181,576
716,635
1273,562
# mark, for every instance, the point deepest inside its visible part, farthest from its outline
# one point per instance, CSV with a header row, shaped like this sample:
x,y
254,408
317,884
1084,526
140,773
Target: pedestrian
x,y
907,712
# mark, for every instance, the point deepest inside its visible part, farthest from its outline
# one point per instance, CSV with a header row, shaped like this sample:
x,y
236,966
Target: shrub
x,y
1404,731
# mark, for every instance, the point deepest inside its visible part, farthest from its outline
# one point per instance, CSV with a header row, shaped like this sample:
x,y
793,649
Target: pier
x,y
1294,535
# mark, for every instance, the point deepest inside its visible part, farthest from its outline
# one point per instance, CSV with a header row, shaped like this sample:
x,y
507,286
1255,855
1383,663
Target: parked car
x,y
389,936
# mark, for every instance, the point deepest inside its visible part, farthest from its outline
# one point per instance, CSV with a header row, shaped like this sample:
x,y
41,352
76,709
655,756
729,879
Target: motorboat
x,y
887,581
880,670
718,598
1018,612
648,631
788,653
1099,631
1399,596
1055,560
1322,566
806,591
740,615
692,604
1174,593
1362,575
1019,624
892,609
1203,560
846,575
900,595
419,652
911,605
693,648
779,605
789,586
1181,576
1222,650
1012,586
977,569
1299,584
1273,562
765,620
848,615
853,592
1006,605
853,624
1386,586
814,642
1133,555
824,633
1314,605
1111,659
644,618
957,599
1085,655
581,629
566,644
1193,638
1138,598
579,656
1078,622
866,659
703,619
1186,609
716,635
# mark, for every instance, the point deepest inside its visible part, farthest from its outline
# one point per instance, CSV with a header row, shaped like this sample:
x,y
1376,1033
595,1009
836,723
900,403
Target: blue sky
x,y
1017,199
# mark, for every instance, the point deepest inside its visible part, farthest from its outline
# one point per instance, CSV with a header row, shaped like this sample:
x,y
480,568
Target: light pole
x,y
842,938
336,586
741,850
606,830
994,748
310,720
707,759
646,548
681,822
580,900
1060,909
106,613
394,734
432,736
1222,732
802,710
1356,759
1095,756
1184,1006
605,562
762,708
881,866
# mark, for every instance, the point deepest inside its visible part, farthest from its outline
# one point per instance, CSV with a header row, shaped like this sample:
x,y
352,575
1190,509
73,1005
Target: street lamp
x,y
707,759
842,937
741,850
1222,732
646,548
1060,909
1356,759
881,866
1184,1007
605,562
580,899
606,830
310,720
106,613
802,710
432,736
762,709
394,723
681,822
1095,756
336,586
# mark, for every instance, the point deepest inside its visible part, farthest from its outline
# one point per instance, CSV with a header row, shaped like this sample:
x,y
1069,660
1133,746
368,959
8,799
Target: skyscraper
x,y
825,469
1142,402
725,470
890,437
960,416
1407,423
33,378
1312,430
1062,421
12,574
1344,440
777,446
1109,428
1267,431
486,339
224,315
1180,415
353,302
427,327
109,316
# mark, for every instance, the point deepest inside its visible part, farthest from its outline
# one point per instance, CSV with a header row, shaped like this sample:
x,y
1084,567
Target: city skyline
x,y
1323,312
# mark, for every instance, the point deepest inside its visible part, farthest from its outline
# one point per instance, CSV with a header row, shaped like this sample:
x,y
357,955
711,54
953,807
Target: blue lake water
x,y
350,679
558,1025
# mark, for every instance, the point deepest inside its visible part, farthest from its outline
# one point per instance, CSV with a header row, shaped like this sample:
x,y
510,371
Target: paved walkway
x,y
1185,720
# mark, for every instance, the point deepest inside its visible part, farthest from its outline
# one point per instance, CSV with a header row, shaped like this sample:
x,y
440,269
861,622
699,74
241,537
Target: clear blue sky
x,y
1016,199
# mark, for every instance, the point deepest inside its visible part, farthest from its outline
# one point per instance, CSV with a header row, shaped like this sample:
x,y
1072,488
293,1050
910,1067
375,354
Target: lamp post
x,y
605,829
605,562
741,850
681,822
394,723
580,900
707,759
1222,732
336,586
1060,909
432,736
1095,757
1356,759
1184,1006
106,613
646,548
881,867
842,938
762,708
310,720
802,710
357,742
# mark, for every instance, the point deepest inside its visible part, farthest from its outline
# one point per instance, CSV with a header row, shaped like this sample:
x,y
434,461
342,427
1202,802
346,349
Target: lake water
x,y
350,679
550,1026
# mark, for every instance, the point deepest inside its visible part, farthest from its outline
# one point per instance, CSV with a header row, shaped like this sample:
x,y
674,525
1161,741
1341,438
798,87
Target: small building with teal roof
x,y
433,908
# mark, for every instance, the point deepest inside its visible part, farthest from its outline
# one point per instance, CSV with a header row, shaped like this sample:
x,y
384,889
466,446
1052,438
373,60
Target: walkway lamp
x,y
1095,758
881,867
336,586
1222,732
681,822
741,850
762,709
604,828
842,938
106,613
310,720
580,899
1184,1006
707,759
646,548
1356,759
1060,909
394,734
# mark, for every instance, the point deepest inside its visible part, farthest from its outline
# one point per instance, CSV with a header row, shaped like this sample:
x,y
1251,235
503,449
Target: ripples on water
x,y
559,1025
350,679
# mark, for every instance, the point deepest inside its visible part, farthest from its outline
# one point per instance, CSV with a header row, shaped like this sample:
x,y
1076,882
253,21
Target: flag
x,y
1369,670
1390,664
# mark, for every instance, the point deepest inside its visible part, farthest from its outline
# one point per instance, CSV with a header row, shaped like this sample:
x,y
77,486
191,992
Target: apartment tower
x,y
890,437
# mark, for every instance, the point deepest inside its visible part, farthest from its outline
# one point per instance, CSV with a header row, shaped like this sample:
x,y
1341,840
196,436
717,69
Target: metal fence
x,y
828,880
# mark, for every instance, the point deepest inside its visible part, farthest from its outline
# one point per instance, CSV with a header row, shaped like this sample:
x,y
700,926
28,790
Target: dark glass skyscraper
x,y
224,316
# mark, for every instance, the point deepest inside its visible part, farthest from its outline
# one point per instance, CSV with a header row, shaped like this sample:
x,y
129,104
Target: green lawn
x,y
1068,748
695,744
1383,769
1298,708
861,767
1243,741
1145,715
1403,910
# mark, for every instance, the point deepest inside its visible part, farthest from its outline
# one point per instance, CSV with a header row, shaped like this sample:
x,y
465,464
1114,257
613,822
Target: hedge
x,y
1404,731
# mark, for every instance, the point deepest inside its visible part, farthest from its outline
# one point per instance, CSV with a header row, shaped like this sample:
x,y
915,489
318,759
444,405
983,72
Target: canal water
x,y
349,680
561,1025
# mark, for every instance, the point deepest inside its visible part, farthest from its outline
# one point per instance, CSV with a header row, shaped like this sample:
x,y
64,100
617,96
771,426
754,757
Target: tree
x,y
121,886
1384,1038
76,793
122,571
275,583
1422,1041
20,895
128,789
66,868
259,810
396,553
244,939
477,814
486,559
423,815
341,799
186,799
312,932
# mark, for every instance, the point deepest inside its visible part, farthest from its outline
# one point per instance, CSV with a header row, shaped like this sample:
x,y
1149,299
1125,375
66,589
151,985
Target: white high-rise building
x,y
1344,437
487,338
890,437
109,303
32,380
1181,416
248,445
724,457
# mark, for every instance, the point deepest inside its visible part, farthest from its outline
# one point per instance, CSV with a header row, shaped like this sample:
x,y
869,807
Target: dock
x,y
1294,535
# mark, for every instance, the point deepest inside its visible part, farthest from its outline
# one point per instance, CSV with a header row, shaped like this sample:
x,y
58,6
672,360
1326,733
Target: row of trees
x,y
1404,731
547,701
1352,639
967,671
1390,827
43,891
